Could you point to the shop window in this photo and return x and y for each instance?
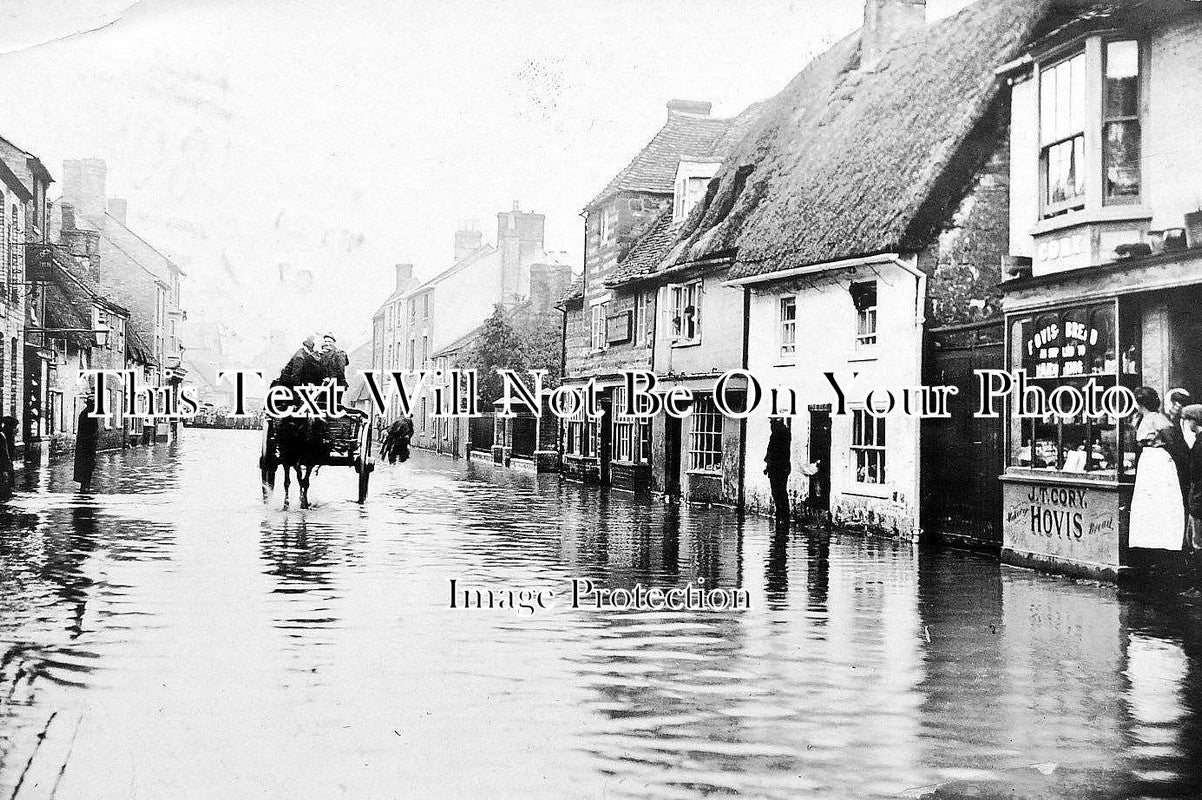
(1120, 123)
(864, 296)
(1071, 347)
(684, 311)
(788, 327)
(1062, 134)
(868, 447)
(705, 436)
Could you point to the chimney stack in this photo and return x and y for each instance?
(520, 240)
(699, 108)
(83, 186)
(548, 283)
(467, 240)
(118, 208)
(886, 21)
(404, 277)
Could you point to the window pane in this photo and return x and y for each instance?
(1065, 171)
(1101, 341)
(1064, 104)
(1077, 95)
(1121, 154)
(1047, 105)
(1122, 79)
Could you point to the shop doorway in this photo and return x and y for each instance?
(672, 440)
(819, 499)
(606, 436)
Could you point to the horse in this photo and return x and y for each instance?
(302, 446)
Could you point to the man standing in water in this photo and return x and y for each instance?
(87, 437)
(777, 466)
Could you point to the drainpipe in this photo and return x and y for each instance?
(743, 421)
(909, 263)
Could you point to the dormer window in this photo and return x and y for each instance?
(692, 180)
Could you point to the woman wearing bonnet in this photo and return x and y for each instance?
(1157, 507)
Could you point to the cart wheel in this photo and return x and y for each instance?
(364, 471)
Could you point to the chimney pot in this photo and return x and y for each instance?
(700, 108)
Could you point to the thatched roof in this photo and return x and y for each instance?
(683, 137)
(843, 161)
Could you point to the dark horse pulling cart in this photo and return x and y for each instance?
(303, 444)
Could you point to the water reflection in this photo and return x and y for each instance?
(313, 653)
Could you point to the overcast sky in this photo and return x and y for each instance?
(336, 138)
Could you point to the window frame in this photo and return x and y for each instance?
(598, 327)
(868, 319)
(706, 429)
(1122, 119)
(786, 329)
(864, 452)
(630, 443)
(677, 294)
(1047, 207)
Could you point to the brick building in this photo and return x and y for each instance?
(23, 229)
(608, 329)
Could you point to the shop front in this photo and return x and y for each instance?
(1069, 477)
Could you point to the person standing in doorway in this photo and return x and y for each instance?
(1157, 507)
(1180, 440)
(1191, 417)
(87, 437)
(778, 463)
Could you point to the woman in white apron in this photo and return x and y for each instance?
(1157, 510)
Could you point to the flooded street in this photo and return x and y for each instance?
(176, 637)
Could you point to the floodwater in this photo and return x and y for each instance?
(173, 636)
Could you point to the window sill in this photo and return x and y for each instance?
(785, 364)
(877, 491)
(704, 473)
(623, 463)
(686, 343)
(867, 355)
(1087, 216)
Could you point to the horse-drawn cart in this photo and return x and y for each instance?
(304, 444)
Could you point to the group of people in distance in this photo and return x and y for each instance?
(1166, 508)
